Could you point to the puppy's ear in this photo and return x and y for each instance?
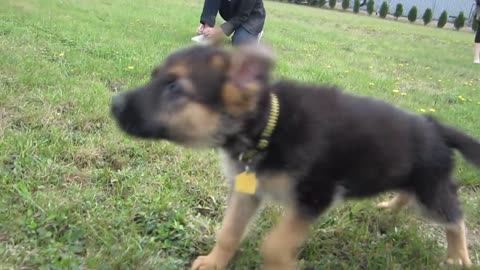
(251, 63)
(248, 73)
(217, 40)
(240, 100)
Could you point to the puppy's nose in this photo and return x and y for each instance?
(118, 104)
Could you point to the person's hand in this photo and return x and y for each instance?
(212, 31)
(200, 29)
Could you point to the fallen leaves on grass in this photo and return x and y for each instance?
(396, 91)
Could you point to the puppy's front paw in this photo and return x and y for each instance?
(277, 267)
(459, 260)
(384, 205)
(208, 263)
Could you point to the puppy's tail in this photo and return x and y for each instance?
(467, 145)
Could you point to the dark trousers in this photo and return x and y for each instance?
(477, 35)
(241, 35)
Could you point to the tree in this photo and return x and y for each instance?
(356, 6)
(459, 21)
(427, 16)
(370, 5)
(398, 11)
(345, 4)
(443, 19)
(332, 3)
(412, 14)
(322, 3)
(384, 10)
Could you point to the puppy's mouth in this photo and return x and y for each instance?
(130, 120)
(144, 131)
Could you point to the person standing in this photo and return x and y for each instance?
(244, 19)
(476, 57)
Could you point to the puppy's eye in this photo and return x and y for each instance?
(173, 89)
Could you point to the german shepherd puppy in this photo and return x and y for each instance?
(307, 146)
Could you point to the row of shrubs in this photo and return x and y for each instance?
(384, 9)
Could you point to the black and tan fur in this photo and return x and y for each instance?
(326, 145)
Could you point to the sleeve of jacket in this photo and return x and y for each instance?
(209, 12)
(245, 9)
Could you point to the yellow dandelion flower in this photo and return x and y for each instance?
(61, 54)
(422, 110)
(396, 91)
(432, 110)
(371, 84)
(130, 67)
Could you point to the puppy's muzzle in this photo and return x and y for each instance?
(118, 105)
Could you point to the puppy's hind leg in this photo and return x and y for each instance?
(442, 205)
(457, 244)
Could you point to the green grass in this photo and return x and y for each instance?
(76, 193)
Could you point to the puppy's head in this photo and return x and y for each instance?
(198, 96)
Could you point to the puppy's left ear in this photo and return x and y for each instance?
(217, 40)
(252, 62)
(248, 74)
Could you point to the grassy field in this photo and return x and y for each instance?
(75, 193)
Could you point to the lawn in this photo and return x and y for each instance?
(76, 193)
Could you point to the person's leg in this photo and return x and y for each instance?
(476, 57)
(241, 35)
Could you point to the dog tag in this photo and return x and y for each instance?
(246, 182)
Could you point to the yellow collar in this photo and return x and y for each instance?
(267, 131)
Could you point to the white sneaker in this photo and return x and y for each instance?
(260, 36)
(199, 39)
